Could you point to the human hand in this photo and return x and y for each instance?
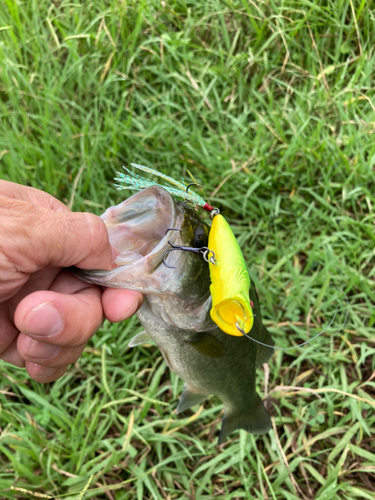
(46, 314)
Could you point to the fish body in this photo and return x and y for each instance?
(176, 310)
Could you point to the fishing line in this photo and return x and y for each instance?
(307, 341)
(215, 212)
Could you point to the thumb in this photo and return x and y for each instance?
(33, 237)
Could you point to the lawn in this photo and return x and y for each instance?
(271, 106)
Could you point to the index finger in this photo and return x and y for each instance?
(42, 237)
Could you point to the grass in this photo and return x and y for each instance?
(271, 106)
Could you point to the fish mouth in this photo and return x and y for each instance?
(137, 227)
(177, 295)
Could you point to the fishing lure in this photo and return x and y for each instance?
(230, 281)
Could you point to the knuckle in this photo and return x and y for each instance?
(19, 224)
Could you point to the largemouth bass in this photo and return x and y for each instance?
(176, 310)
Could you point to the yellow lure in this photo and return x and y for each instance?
(230, 281)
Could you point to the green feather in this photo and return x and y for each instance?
(134, 181)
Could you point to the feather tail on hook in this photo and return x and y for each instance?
(134, 181)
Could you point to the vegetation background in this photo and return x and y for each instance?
(271, 106)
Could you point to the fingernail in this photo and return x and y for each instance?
(44, 319)
(44, 371)
(42, 350)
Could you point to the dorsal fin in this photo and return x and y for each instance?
(259, 331)
(264, 353)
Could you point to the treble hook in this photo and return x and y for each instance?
(203, 250)
(172, 229)
(192, 184)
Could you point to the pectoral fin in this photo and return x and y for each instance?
(140, 338)
(206, 344)
(189, 398)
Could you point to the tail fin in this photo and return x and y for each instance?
(256, 420)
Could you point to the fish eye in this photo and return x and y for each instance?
(200, 239)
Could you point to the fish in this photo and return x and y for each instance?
(177, 302)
